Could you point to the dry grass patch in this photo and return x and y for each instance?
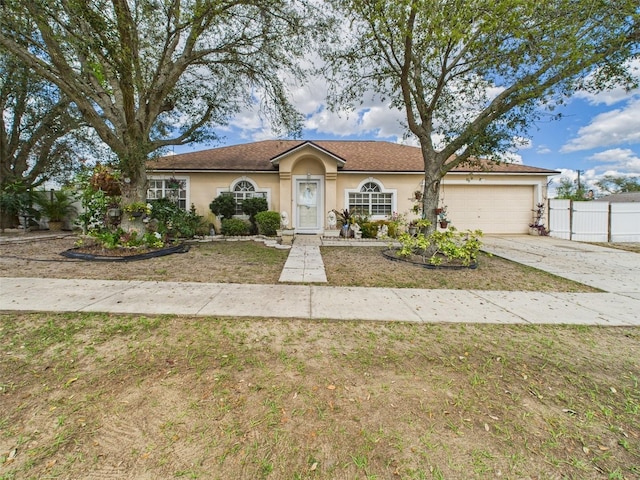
(253, 262)
(367, 267)
(108, 396)
(214, 262)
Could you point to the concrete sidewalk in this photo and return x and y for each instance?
(614, 271)
(316, 302)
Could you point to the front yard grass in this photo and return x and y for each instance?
(117, 396)
(253, 262)
(367, 267)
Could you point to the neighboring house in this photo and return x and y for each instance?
(626, 197)
(307, 179)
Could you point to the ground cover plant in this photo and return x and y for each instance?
(115, 396)
(253, 262)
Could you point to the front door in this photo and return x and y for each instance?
(308, 205)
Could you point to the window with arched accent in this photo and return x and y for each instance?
(371, 200)
(242, 190)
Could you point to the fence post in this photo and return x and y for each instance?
(570, 219)
(609, 223)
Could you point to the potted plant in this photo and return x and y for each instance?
(173, 183)
(442, 217)
(345, 217)
(137, 210)
(106, 179)
(57, 206)
(413, 227)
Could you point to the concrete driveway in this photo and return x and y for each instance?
(608, 269)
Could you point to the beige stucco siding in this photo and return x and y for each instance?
(401, 185)
(204, 187)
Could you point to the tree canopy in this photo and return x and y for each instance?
(569, 189)
(619, 184)
(148, 74)
(41, 134)
(473, 76)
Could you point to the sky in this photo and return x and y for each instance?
(598, 134)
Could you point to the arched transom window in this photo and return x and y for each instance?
(242, 190)
(371, 200)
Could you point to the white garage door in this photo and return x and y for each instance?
(492, 209)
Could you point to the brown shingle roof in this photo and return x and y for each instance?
(359, 156)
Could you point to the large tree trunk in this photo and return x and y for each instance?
(430, 198)
(134, 189)
(431, 192)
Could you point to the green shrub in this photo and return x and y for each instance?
(253, 206)
(446, 246)
(15, 198)
(56, 205)
(175, 221)
(268, 222)
(223, 205)
(370, 229)
(461, 246)
(234, 227)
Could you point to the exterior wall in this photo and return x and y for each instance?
(494, 203)
(204, 187)
(401, 185)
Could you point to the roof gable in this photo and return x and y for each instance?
(276, 160)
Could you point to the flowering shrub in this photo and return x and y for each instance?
(119, 238)
(95, 203)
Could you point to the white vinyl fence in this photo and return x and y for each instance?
(594, 221)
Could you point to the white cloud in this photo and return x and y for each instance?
(543, 150)
(384, 121)
(617, 159)
(614, 95)
(607, 97)
(512, 157)
(616, 127)
(341, 124)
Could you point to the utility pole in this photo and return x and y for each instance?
(579, 172)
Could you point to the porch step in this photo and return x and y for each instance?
(303, 240)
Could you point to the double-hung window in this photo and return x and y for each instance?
(371, 200)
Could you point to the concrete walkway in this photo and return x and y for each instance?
(304, 263)
(616, 272)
